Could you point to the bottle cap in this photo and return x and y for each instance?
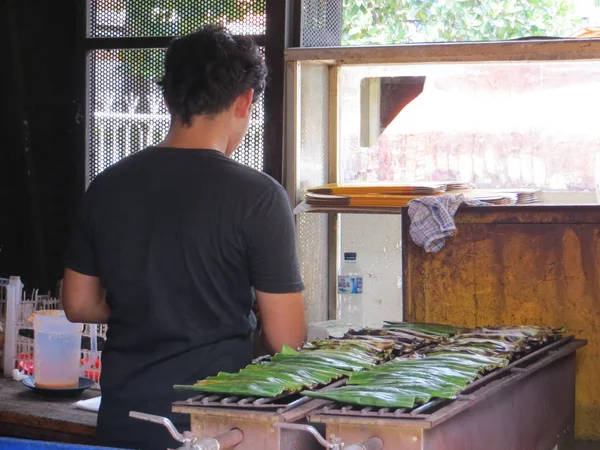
(350, 256)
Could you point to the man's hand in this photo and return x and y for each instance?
(83, 298)
(282, 318)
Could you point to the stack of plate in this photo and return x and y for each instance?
(327, 200)
(527, 196)
(457, 186)
(498, 199)
(417, 188)
(376, 196)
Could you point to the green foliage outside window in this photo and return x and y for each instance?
(174, 18)
(372, 22)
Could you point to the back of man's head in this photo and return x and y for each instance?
(206, 71)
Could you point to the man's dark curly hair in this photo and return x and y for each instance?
(207, 70)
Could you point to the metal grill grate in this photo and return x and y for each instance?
(152, 18)
(282, 402)
(127, 112)
(471, 394)
(321, 23)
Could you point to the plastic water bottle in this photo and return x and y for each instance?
(350, 287)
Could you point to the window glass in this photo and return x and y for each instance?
(497, 125)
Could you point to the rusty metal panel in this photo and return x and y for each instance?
(258, 433)
(539, 267)
(535, 414)
(394, 438)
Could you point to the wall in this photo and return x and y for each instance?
(377, 241)
(519, 265)
(39, 199)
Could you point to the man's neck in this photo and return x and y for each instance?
(204, 133)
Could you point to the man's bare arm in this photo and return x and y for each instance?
(83, 298)
(282, 318)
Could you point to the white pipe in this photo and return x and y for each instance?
(14, 292)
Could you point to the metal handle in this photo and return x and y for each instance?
(226, 440)
(370, 444)
(223, 441)
(162, 421)
(336, 443)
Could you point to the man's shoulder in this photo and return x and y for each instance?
(249, 176)
(115, 174)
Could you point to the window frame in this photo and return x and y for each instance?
(273, 42)
(523, 50)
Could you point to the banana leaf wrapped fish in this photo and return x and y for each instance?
(425, 330)
(288, 372)
(381, 348)
(382, 396)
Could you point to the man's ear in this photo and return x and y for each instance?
(243, 104)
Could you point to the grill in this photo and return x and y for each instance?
(528, 405)
(281, 403)
(214, 415)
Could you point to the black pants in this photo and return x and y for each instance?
(116, 429)
(151, 392)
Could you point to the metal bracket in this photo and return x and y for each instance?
(334, 444)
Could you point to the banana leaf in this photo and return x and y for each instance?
(325, 369)
(410, 376)
(458, 373)
(433, 389)
(349, 355)
(379, 348)
(366, 357)
(280, 380)
(399, 346)
(398, 336)
(458, 364)
(312, 374)
(302, 379)
(340, 362)
(431, 329)
(473, 349)
(369, 396)
(289, 371)
(500, 344)
(487, 362)
(242, 389)
(527, 330)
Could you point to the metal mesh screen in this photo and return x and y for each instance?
(151, 18)
(321, 23)
(313, 170)
(127, 112)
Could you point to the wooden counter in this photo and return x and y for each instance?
(24, 414)
(533, 265)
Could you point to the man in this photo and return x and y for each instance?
(171, 240)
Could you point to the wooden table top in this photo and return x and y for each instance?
(21, 408)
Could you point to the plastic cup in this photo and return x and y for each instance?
(56, 350)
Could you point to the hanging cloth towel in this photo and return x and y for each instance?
(432, 219)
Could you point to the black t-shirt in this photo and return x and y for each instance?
(178, 237)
